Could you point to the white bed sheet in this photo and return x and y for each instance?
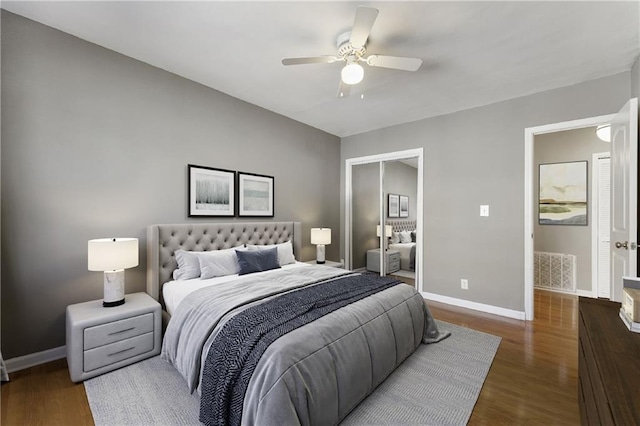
(174, 292)
(405, 253)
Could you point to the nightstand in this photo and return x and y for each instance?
(392, 261)
(326, 263)
(101, 339)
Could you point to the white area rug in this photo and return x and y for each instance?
(437, 385)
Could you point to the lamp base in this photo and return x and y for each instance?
(320, 253)
(112, 304)
(113, 288)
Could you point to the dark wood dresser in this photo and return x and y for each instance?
(609, 366)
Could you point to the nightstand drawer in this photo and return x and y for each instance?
(108, 354)
(394, 266)
(394, 257)
(118, 330)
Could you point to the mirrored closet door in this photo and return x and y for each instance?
(383, 226)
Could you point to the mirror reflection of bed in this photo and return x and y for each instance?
(403, 240)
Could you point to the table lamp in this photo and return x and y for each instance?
(320, 237)
(113, 256)
(388, 230)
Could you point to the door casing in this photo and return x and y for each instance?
(380, 158)
(530, 196)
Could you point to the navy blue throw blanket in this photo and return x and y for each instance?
(237, 348)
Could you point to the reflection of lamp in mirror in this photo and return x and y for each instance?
(388, 229)
(320, 237)
(113, 256)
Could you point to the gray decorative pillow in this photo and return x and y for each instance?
(285, 251)
(257, 260)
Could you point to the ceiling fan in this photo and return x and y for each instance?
(352, 47)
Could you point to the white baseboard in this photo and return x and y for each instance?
(578, 292)
(496, 310)
(31, 360)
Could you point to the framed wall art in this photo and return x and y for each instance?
(393, 205)
(211, 191)
(404, 206)
(563, 194)
(255, 195)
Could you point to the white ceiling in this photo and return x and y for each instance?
(474, 53)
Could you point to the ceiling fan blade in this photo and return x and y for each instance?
(310, 60)
(394, 62)
(343, 90)
(362, 24)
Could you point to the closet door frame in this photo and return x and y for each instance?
(381, 159)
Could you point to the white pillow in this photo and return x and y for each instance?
(218, 263)
(285, 252)
(188, 265)
(395, 237)
(405, 236)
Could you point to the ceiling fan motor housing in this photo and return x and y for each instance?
(346, 50)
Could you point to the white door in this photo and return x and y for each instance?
(624, 187)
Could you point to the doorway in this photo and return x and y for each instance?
(566, 224)
(624, 163)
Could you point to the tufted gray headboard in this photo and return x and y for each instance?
(402, 225)
(164, 240)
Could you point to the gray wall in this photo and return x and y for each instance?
(476, 157)
(402, 179)
(572, 145)
(365, 207)
(95, 144)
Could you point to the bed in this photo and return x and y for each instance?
(231, 344)
(407, 249)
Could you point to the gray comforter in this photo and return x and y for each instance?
(317, 373)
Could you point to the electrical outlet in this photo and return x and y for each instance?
(464, 284)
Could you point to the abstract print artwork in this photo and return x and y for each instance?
(255, 195)
(563, 194)
(211, 191)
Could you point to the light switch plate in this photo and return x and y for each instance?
(484, 210)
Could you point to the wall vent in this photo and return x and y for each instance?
(554, 271)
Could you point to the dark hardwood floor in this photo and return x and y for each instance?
(533, 379)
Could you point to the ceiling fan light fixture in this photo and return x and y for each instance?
(352, 73)
(603, 132)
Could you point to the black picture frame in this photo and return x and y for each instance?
(211, 191)
(255, 195)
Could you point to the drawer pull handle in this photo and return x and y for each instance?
(121, 331)
(124, 350)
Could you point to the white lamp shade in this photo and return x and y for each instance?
(388, 230)
(110, 254)
(604, 132)
(320, 235)
(352, 73)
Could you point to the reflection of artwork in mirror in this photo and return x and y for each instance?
(404, 206)
(563, 194)
(393, 207)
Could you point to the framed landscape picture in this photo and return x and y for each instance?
(404, 206)
(393, 206)
(563, 194)
(255, 195)
(211, 191)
